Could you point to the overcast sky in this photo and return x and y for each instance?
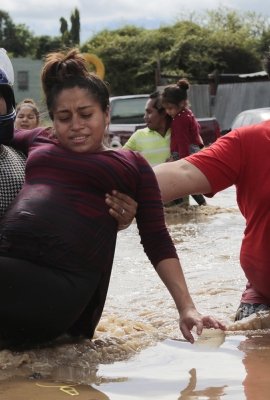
(42, 16)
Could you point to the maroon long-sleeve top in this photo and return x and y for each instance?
(60, 218)
(185, 131)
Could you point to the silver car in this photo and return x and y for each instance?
(251, 117)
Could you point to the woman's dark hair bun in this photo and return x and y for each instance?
(183, 84)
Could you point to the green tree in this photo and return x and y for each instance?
(63, 26)
(6, 27)
(228, 20)
(46, 44)
(222, 40)
(17, 39)
(65, 34)
(71, 37)
(191, 52)
(130, 57)
(236, 39)
(264, 41)
(75, 27)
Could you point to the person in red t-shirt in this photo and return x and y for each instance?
(240, 158)
(185, 129)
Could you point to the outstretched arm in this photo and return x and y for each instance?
(171, 274)
(180, 178)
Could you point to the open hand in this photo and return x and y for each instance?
(194, 319)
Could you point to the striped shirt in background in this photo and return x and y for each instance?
(152, 146)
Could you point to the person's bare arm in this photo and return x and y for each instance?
(171, 274)
(122, 207)
(180, 178)
(176, 179)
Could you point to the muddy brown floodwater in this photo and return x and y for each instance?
(138, 351)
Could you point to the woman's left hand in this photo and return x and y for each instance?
(192, 318)
(122, 207)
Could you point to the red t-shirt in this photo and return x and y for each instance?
(185, 130)
(242, 158)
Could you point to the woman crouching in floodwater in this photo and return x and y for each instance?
(57, 239)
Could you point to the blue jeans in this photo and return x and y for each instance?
(246, 309)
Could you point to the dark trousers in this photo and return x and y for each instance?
(37, 304)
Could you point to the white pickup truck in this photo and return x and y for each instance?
(127, 114)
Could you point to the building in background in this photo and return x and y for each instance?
(27, 79)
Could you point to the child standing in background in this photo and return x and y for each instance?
(185, 129)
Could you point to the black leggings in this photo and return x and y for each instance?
(38, 304)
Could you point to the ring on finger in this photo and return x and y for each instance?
(123, 211)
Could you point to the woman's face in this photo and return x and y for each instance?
(79, 121)
(26, 118)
